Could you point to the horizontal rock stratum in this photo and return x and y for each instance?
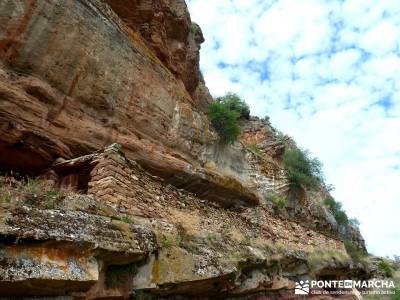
(75, 78)
(125, 232)
(168, 210)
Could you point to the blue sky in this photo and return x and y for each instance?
(327, 72)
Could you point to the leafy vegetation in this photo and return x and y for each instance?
(278, 200)
(31, 191)
(386, 268)
(225, 113)
(396, 295)
(302, 169)
(224, 121)
(126, 219)
(195, 28)
(267, 119)
(235, 103)
(341, 217)
(355, 253)
(168, 241)
(337, 211)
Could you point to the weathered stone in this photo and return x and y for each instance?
(96, 103)
(76, 76)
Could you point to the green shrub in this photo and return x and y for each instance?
(301, 168)
(32, 192)
(337, 211)
(355, 253)
(235, 103)
(40, 192)
(332, 204)
(195, 28)
(396, 295)
(341, 217)
(126, 219)
(386, 268)
(278, 200)
(225, 121)
(225, 113)
(168, 241)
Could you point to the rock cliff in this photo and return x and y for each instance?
(167, 211)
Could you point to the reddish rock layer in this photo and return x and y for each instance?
(169, 32)
(74, 79)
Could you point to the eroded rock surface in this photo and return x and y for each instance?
(167, 28)
(169, 211)
(150, 238)
(65, 93)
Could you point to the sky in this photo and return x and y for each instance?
(327, 72)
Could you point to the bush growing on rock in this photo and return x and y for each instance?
(224, 115)
(31, 191)
(224, 121)
(278, 200)
(341, 217)
(355, 253)
(337, 211)
(235, 103)
(195, 28)
(386, 268)
(302, 169)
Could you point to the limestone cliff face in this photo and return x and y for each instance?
(171, 211)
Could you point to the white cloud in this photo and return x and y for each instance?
(327, 73)
(381, 39)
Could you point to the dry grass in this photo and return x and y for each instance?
(31, 191)
(324, 257)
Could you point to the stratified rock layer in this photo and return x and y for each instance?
(153, 239)
(170, 212)
(75, 78)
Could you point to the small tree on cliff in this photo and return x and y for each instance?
(224, 115)
(235, 103)
(225, 121)
(337, 211)
(302, 169)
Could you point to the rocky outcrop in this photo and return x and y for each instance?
(169, 211)
(95, 93)
(150, 238)
(169, 32)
